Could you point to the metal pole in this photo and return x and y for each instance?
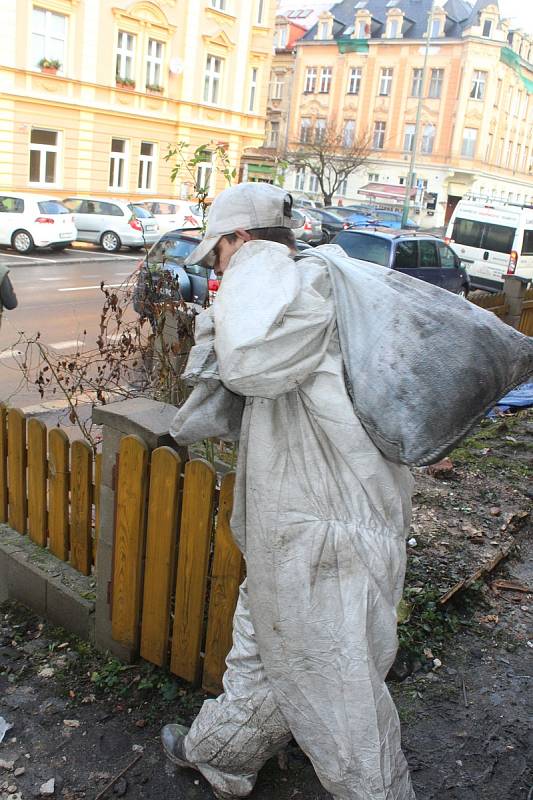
(410, 177)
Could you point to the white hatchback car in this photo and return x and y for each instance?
(172, 214)
(113, 223)
(32, 220)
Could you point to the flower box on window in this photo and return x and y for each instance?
(154, 88)
(125, 83)
(49, 66)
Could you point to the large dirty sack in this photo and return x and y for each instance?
(423, 365)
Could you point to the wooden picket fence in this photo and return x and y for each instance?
(49, 488)
(176, 569)
(498, 305)
(526, 319)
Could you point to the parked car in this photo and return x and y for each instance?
(393, 219)
(425, 257)
(32, 220)
(494, 238)
(304, 202)
(162, 275)
(331, 223)
(172, 214)
(359, 219)
(113, 223)
(309, 227)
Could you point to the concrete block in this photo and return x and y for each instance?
(107, 518)
(26, 583)
(110, 448)
(141, 416)
(67, 608)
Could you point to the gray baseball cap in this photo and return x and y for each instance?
(244, 206)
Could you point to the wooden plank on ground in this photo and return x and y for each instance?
(37, 475)
(58, 490)
(129, 540)
(225, 580)
(194, 541)
(16, 469)
(160, 560)
(3, 463)
(96, 501)
(81, 466)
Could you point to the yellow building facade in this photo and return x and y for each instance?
(476, 123)
(93, 92)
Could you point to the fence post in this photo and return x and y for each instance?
(149, 420)
(514, 289)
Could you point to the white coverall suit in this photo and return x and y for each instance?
(321, 518)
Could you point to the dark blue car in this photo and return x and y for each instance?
(425, 257)
(393, 219)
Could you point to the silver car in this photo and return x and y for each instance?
(112, 223)
(309, 228)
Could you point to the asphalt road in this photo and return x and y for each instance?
(59, 296)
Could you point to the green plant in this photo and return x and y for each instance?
(124, 81)
(49, 63)
(154, 87)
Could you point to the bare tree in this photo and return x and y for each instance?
(331, 153)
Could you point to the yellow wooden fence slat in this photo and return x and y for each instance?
(96, 501)
(195, 535)
(58, 490)
(37, 475)
(160, 557)
(3, 463)
(129, 540)
(225, 580)
(16, 469)
(81, 466)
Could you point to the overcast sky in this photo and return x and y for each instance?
(520, 11)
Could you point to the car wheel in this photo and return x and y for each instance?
(59, 246)
(22, 242)
(110, 242)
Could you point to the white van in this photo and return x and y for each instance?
(493, 239)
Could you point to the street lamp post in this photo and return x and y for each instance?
(411, 175)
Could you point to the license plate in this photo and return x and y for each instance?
(150, 227)
(64, 236)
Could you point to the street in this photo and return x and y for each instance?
(59, 296)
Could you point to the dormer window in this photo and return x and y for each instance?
(325, 27)
(487, 29)
(394, 27)
(362, 27)
(394, 24)
(435, 28)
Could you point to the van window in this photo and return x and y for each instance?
(406, 255)
(140, 212)
(427, 253)
(499, 238)
(72, 204)
(365, 246)
(467, 232)
(52, 207)
(527, 246)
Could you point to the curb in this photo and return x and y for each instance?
(50, 587)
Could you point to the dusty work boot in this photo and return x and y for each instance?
(172, 738)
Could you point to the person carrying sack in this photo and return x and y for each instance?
(320, 515)
(8, 298)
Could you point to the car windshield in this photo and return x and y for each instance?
(365, 246)
(140, 212)
(174, 250)
(52, 207)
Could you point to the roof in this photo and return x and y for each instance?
(387, 190)
(308, 10)
(460, 15)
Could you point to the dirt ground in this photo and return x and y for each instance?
(462, 682)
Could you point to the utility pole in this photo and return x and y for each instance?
(411, 175)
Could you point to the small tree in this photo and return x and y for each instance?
(332, 155)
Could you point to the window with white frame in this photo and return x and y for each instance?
(260, 11)
(468, 148)
(323, 29)
(220, 5)
(213, 79)
(276, 86)
(320, 129)
(325, 79)
(310, 80)
(118, 164)
(385, 82)
(416, 83)
(363, 30)
(394, 29)
(204, 173)
(283, 37)
(435, 83)
(428, 139)
(435, 28)
(342, 188)
(48, 36)
(299, 179)
(373, 177)
(479, 82)
(487, 28)
(378, 139)
(125, 55)
(305, 129)
(409, 138)
(313, 183)
(354, 80)
(146, 166)
(44, 153)
(348, 134)
(154, 63)
(253, 88)
(273, 134)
